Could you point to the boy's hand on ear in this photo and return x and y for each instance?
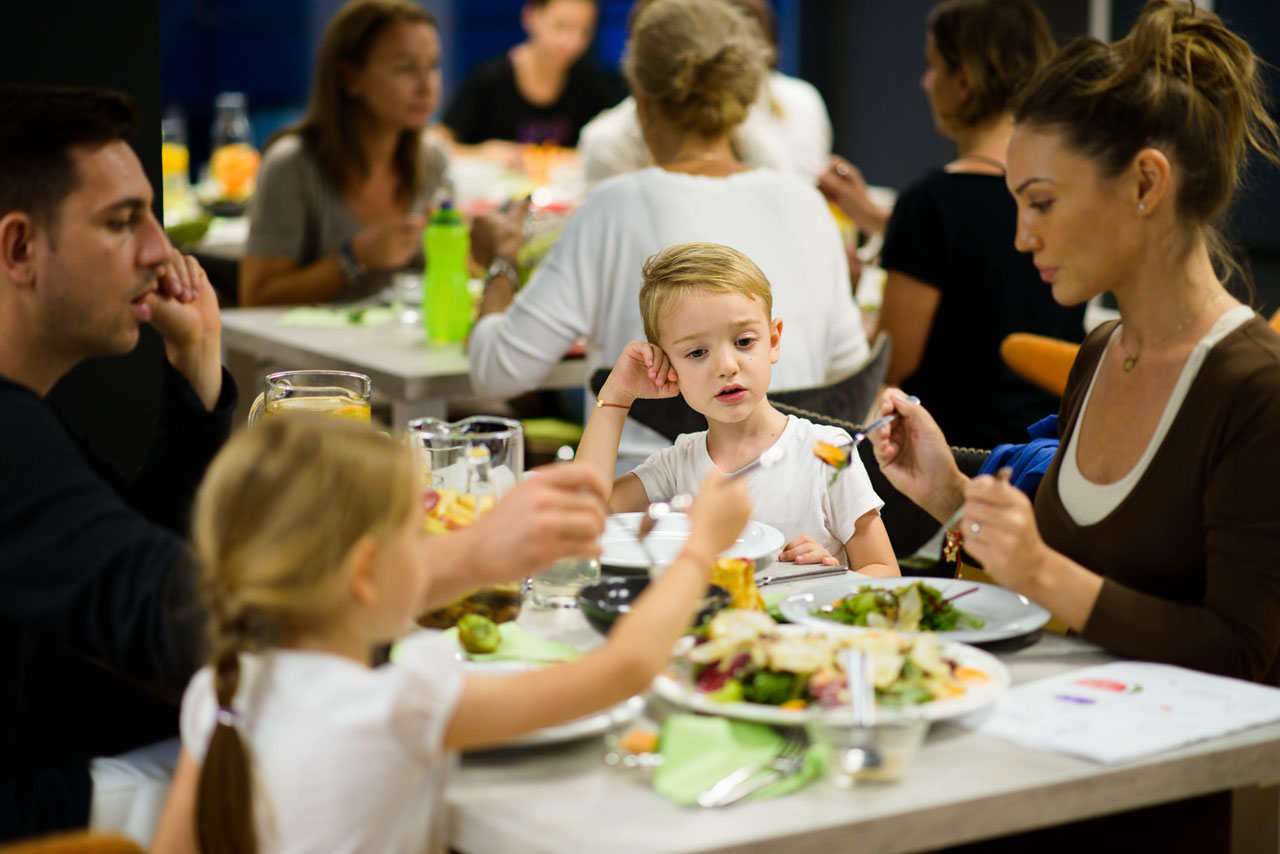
(642, 371)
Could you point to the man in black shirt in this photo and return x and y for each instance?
(95, 589)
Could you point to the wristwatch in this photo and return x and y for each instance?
(501, 265)
(350, 265)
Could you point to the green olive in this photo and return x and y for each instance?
(478, 633)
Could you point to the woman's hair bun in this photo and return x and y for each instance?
(703, 62)
(1179, 81)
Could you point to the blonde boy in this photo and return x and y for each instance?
(707, 313)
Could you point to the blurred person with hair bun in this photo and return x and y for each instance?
(696, 68)
(787, 126)
(1156, 528)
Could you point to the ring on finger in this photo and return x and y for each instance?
(974, 528)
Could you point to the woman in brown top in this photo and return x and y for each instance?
(1156, 531)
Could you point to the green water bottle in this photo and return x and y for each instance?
(446, 301)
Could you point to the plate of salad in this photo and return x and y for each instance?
(965, 611)
(744, 665)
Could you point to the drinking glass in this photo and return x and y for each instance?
(481, 455)
(878, 753)
(340, 394)
(558, 585)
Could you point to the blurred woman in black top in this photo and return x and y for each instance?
(956, 285)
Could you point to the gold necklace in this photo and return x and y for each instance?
(1130, 361)
(982, 158)
(706, 155)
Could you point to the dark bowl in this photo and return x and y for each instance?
(612, 596)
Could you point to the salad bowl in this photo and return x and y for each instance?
(1002, 613)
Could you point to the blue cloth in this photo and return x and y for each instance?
(1030, 461)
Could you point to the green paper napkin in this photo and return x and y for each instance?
(519, 645)
(314, 315)
(699, 751)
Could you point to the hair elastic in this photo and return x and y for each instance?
(228, 717)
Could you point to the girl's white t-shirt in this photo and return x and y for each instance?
(795, 495)
(345, 758)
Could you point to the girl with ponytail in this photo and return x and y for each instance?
(1156, 529)
(309, 536)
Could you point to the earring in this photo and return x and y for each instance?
(1142, 207)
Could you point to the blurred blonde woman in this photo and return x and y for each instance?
(1156, 528)
(342, 195)
(309, 535)
(696, 68)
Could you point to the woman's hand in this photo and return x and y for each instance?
(499, 232)
(390, 243)
(719, 513)
(642, 371)
(804, 550)
(999, 528)
(844, 186)
(914, 454)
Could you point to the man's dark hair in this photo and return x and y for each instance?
(38, 127)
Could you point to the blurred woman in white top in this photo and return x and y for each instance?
(695, 67)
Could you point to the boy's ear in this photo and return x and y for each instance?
(775, 340)
(361, 571)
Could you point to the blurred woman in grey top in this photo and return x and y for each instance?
(343, 194)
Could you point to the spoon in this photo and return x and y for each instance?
(679, 503)
(862, 704)
(858, 437)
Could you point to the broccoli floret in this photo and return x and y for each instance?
(772, 688)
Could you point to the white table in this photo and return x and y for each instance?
(963, 787)
(416, 378)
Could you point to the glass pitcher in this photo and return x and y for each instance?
(341, 394)
(466, 466)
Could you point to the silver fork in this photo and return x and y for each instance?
(749, 779)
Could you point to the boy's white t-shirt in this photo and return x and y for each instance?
(344, 758)
(793, 495)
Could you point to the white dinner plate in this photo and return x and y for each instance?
(679, 690)
(1005, 614)
(587, 726)
(757, 541)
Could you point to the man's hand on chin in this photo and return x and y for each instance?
(184, 310)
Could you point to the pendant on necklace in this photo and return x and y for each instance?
(1128, 363)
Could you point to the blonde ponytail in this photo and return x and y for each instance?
(278, 512)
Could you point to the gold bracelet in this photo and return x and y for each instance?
(600, 403)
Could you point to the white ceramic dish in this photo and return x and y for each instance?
(976, 696)
(586, 726)
(757, 541)
(1005, 614)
